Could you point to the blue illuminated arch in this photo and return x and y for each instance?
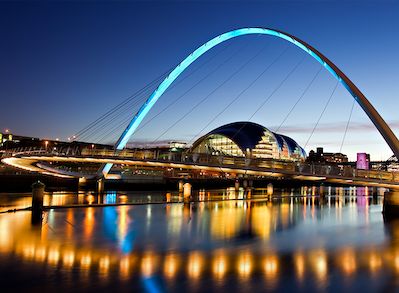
(382, 127)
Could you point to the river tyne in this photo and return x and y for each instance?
(222, 241)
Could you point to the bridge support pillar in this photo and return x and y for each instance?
(391, 204)
(37, 195)
(322, 187)
(37, 202)
(187, 191)
(181, 183)
(82, 183)
(100, 185)
(270, 189)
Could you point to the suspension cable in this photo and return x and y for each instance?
(325, 107)
(106, 123)
(192, 109)
(277, 86)
(117, 107)
(194, 85)
(198, 83)
(242, 92)
(141, 92)
(347, 126)
(281, 83)
(289, 113)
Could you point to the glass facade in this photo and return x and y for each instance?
(216, 144)
(267, 147)
(244, 139)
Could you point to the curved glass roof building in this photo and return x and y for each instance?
(247, 139)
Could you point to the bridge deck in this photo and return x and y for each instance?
(216, 164)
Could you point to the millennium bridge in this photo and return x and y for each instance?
(194, 165)
(198, 164)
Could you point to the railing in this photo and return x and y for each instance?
(222, 161)
(20, 151)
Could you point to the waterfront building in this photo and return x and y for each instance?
(363, 161)
(322, 157)
(4, 137)
(177, 146)
(251, 140)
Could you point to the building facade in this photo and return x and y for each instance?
(247, 139)
(322, 157)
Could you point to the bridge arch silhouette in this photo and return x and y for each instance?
(374, 116)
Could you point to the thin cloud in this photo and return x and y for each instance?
(336, 127)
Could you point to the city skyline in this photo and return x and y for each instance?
(66, 64)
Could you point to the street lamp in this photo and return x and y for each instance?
(46, 143)
(4, 140)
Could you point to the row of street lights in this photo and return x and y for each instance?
(46, 142)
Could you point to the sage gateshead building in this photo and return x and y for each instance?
(251, 140)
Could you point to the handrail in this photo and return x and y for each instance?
(221, 161)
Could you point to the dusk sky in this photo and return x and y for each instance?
(65, 63)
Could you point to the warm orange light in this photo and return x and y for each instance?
(375, 262)
(104, 264)
(194, 265)
(170, 265)
(28, 250)
(53, 256)
(123, 198)
(271, 270)
(244, 264)
(300, 265)
(69, 258)
(89, 221)
(41, 253)
(220, 266)
(147, 265)
(6, 130)
(123, 221)
(271, 265)
(85, 261)
(90, 199)
(124, 267)
(319, 264)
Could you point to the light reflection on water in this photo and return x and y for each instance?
(296, 243)
(53, 199)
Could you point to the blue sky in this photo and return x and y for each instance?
(66, 63)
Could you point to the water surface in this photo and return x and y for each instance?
(225, 241)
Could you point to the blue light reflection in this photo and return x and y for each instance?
(150, 285)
